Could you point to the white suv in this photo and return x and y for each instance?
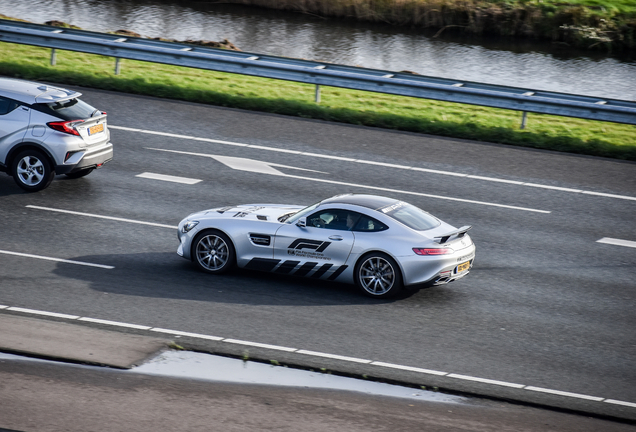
(46, 130)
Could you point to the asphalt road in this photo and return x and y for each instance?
(546, 304)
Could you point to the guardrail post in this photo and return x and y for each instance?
(524, 118)
(53, 57)
(117, 66)
(317, 94)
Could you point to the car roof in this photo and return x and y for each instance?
(374, 202)
(30, 92)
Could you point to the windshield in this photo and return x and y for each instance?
(411, 216)
(304, 212)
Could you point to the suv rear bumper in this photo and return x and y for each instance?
(94, 157)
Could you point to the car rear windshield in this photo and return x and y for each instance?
(72, 109)
(410, 216)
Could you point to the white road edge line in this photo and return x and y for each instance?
(325, 355)
(168, 178)
(66, 261)
(260, 345)
(114, 323)
(562, 393)
(486, 381)
(617, 242)
(101, 216)
(273, 149)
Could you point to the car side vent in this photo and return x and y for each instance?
(261, 217)
(260, 239)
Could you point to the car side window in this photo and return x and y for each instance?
(368, 224)
(337, 219)
(7, 105)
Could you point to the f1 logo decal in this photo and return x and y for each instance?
(315, 245)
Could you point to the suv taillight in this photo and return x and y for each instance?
(66, 127)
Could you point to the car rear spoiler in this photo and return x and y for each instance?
(458, 232)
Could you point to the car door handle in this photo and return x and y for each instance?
(335, 237)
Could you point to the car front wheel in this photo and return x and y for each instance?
(32, 171)
(213, 252)
(378, 275)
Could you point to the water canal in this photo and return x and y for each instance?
(538, 66)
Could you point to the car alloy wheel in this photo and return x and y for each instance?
(32, 171)
(378, 275)
(213, 252)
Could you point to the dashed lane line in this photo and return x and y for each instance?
(66, 261)
(102, 216)
(363, 161)
(617, 242)
(324, 355)
(168, 178)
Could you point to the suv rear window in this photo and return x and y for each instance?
(72, 109)
(411, 216)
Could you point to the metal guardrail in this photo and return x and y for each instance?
(327, 74)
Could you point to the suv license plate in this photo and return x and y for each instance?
(96, 129)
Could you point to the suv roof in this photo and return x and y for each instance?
(29, 92)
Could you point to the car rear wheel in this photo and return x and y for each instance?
(32, 171)
(78, 174)
(213, 252)
(378, 275)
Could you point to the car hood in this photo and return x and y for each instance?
(269, 212)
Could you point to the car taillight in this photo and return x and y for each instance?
(66, 127)
(432, 251)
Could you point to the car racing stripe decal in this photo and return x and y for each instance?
(305, 268)
(262, 264)
(321, 271)
(337, 272)
(287, 266)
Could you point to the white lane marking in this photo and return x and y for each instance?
(101, 216)
(39, 312)
(409, 368)
(333, 356)
(181, 333)
(260, 345)
(114, 323)
(486, 381)
(617, 242)
(168, 178)
(432, 171)
(266, 168)
(562, 393)
(617, 402)
(57, 259)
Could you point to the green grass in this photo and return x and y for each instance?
(339, 105)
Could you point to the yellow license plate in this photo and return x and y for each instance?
(463, 267)
(96, 129)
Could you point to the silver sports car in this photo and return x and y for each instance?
(380, 244)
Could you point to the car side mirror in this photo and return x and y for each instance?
(302, 222)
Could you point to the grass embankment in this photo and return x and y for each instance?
(340, 105)
(600, 24)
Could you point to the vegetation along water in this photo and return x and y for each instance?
(595, 24)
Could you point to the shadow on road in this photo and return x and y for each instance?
(165, 275)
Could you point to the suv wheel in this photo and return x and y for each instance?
(32, 170)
